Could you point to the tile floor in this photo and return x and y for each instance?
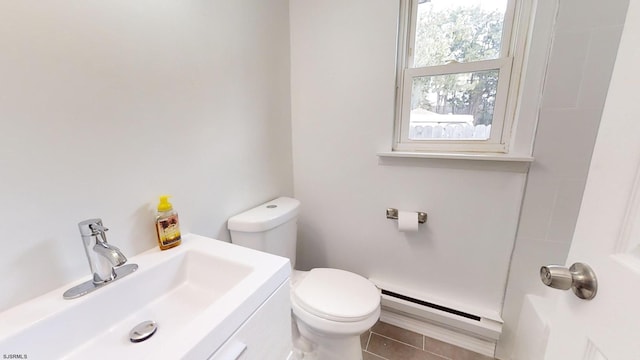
(387, 342)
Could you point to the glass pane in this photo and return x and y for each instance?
(458, 30)
(455, 106)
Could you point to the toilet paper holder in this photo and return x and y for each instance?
(393, 214)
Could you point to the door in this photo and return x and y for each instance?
(607, 235)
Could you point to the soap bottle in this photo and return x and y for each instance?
(167, 225)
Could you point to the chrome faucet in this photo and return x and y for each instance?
(105, 260)
(102, 256)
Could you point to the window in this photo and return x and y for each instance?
(458, 73)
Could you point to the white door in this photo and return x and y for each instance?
(607, 235)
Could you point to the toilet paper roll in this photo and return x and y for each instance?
(407, 221)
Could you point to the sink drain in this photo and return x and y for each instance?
(143, 331)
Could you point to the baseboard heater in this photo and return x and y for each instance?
(485, 326)
(431, 305)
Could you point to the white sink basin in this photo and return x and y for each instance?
(199, 293)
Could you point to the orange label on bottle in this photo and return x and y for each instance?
(168, 230)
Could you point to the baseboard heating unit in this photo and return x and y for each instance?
(456, 324)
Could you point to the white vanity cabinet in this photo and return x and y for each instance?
(265, 335)
(208, 297)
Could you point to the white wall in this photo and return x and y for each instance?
(582, 57)
(105, 105)
(343, 55)
(343, 75)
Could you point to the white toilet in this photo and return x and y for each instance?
(331, 307)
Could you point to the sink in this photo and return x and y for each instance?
(198, 293)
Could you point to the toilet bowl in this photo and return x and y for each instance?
(331, 308)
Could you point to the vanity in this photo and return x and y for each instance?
(209, 300)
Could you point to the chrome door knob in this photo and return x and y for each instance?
(556, 276)
(579, 277)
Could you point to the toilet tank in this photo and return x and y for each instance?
(270, 227)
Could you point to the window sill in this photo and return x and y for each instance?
(458, 156)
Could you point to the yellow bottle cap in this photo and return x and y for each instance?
(164, 204)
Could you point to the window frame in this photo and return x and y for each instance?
(509, 65)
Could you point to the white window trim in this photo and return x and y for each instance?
(510, 66)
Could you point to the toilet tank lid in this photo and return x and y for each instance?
(266, 216)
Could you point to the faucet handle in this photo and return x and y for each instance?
(91, 227)
(97, 228)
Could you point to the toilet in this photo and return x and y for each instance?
(331, 307)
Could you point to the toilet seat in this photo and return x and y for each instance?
(336, 295)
